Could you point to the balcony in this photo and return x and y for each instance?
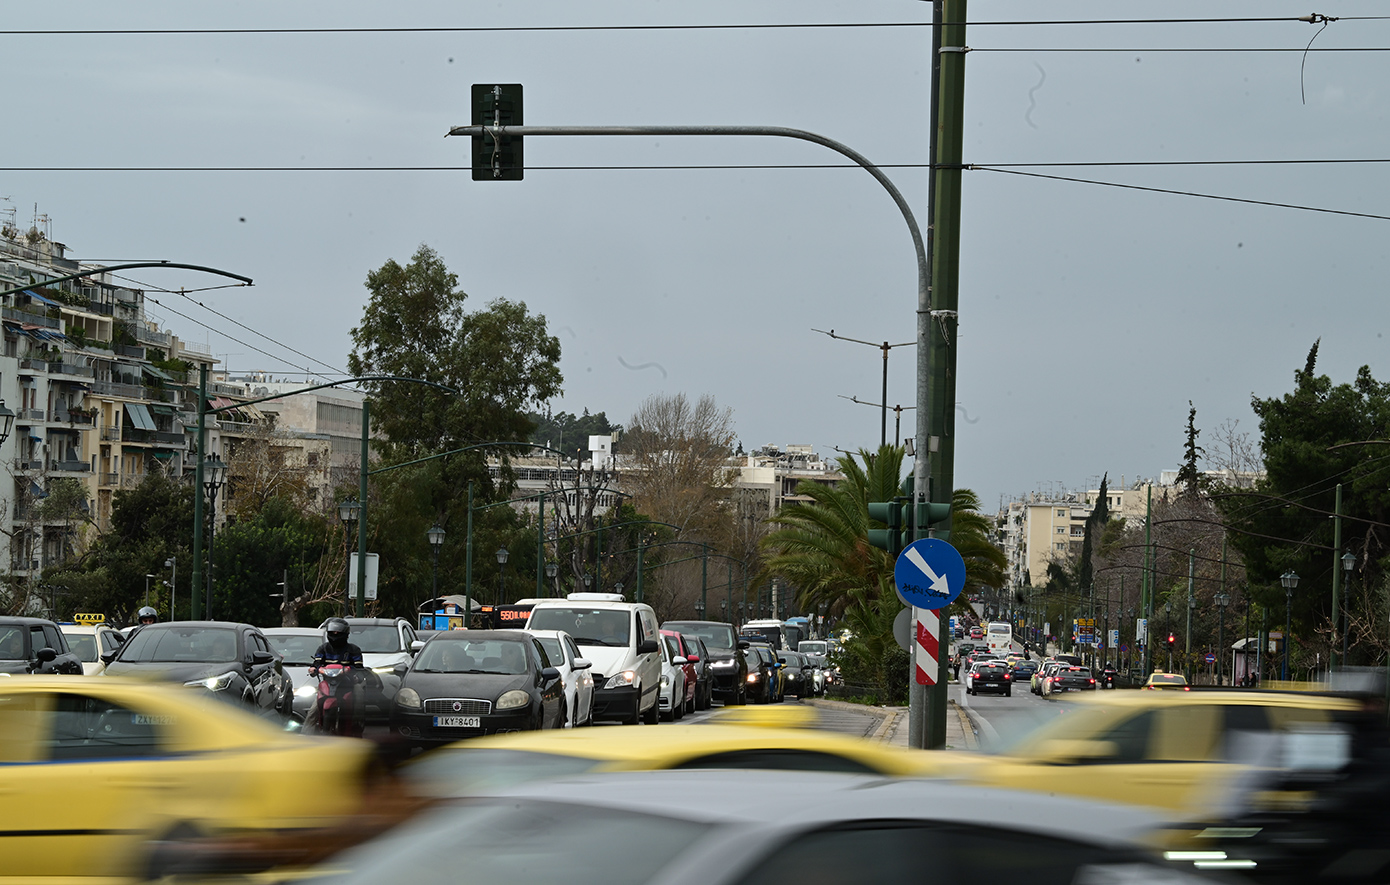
(109, 479)
(147, 336)
(66, 417)
(62, 368)
(22, 464)
(24, 316)
(32, 414)
(70, 467)
(110, 433)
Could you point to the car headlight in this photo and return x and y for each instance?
(513, 699)
(620, 680)
(306, 691)
(752, 677)
(409, 698)
(382, 671)
(722, 665)
(665, 680)
(215, 683)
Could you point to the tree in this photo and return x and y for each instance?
(1189, 476)
(267, 465)
(676, 460)
(568, 432)
(502, 362)
(275, 564)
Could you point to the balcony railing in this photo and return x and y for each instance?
(33, 414)
(24, 316)
(110, 432)
(22, 464)
(61, 368)
(73, 417)
(70, 467)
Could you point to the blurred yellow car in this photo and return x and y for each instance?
(1168, 750)
(766, 738)
(1167, 681)
(93, 767)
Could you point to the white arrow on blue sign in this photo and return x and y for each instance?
(929, 573)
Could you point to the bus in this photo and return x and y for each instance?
(1000, 636)
(768, 629)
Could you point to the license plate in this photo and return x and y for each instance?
(458, 722)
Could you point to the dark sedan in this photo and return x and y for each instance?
(989, 676)
(1069, 678)
(233, 662)
(727, 664)
(796, 674)
(35, 645)
(470, 682)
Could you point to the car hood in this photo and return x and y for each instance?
(389, 659)
(607, 660)
(299, 675)
(170, 672)
(484, 686)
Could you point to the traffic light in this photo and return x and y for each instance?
(1172, 641)
(934, 520)
(497, 104)
(890, 513)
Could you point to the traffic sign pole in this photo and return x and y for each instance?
(927, 645)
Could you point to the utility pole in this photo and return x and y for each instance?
(1191, 604)
(1336, 580)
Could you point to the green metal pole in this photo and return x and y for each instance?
(704, 584)
(641, 549)
(729, 589)
(1191, 603)
(540, 547)
(199, 454)
(468, 564)
(1147, 589)
(1336, 581)
(362, 515)
(598, 564)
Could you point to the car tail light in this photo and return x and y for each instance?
(1187, 688)
(1007, 677)
(1093, 682)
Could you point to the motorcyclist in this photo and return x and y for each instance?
(147, 615)
(337, 650)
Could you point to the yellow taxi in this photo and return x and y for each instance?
(93, 767)
(1158, 680)
(1177, 751)
(741, 737)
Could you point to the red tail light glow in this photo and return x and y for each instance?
(1007, 677)
(1093, 682)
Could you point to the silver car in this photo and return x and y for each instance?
(796, 827)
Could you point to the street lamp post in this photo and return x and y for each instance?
(1221, 600)
(1348, 563)
(147, 593)
(501, 555)
(588, 579)
(172, 565)
(348, 511)
(214, 474)
(436, 537)
(724, 610)
(1290, 581)
(551, 570)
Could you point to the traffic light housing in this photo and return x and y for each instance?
(497, 104)
(1172, 641)
(890, 538)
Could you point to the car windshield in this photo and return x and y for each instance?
(720, 636)
(1167, 679)
(813, 646)
(552, 649)
(11, 643)
(173, 643)
(376, 639)
(498, 656)
(298, 651)
(84, 645)
(588, 626)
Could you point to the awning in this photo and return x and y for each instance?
(219, 402)
(160, 410)
(155, 373)
(39, 298)
(139, 416)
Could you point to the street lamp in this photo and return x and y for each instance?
(147, 592)
(436, 536)
(501, 555)
(618, 588)
(551, 570)
(724, 610)
(214, 475)
(699, 610)
(1290, 581)
(348, 511)
(172, 565)
(6, 422)
(1348, 563)
(1221, 599)
(588, 579)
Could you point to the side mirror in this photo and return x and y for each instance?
(743, 643)
(46, 655)
(416, 646)
(109, 656)
(694, 659)
(261, 657)
(549, 674)
(582, 663)
(678, 660)
(647, 647)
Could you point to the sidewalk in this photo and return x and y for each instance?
(893, 726)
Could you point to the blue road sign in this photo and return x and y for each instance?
(929, 573)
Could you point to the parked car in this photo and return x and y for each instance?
(677, 690)
(992, 676)
(786, 826)
(574, 669)
(89, 642)
(698, 655)
(296, 647)
(35, 645)
(621, 638)
(727, 666)
(232, 662)
(98, 773)
(387, 647)
(470, 682)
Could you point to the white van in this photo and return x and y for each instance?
(620, 639)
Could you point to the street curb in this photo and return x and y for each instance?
(966, 726)
(887, 715)
(886, 727)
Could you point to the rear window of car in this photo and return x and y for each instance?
(1168, 679)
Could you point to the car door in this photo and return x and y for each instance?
(584, 681)
(262, 672)
(552, 691)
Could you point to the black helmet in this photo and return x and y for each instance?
(337, 630)
(147, 615)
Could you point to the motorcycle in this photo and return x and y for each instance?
(1106, 679)
(333, 708)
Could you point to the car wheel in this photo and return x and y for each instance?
(1008, 693)
(692, 705)
(653, 714)
(636, 717)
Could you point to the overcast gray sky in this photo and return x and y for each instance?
(1089, 316)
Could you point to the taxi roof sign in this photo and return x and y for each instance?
(89, 618)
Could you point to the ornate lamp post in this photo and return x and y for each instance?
(6, 422)
(551, 570)
(724, 610)
(348, 512)
(214, 475)
(618, 588)
(436, 536)
(1290, 581)
(501, 555)
(588, 579)
(1348, 563)
(1221, 599)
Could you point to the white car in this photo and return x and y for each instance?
(296, 645)
(576, 672)
(90, 642)
(672, 680)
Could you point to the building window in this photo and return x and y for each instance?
(1061, 530)
(1061, 512)
(1060, 546)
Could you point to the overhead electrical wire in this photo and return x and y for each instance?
(264, 353)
